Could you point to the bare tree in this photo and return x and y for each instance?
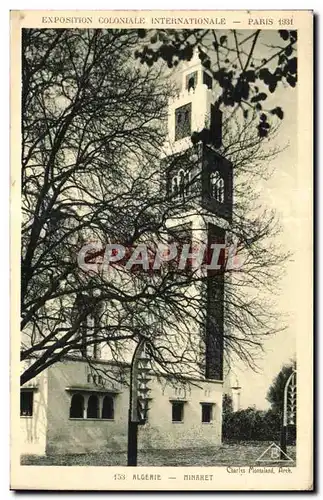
(93, 130)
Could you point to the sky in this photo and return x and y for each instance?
(282, 194)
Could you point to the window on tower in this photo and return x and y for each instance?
(183, 121)
(187, 183)
(207, 80)
(174, 186)
(191, 81)
(217, 179)
(181, 176)
(180, 184)
(217, 187)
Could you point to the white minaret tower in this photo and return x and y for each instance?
(199, 182)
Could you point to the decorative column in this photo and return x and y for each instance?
(86, 400)
(289, 411)
(100, 397)
(138, 398)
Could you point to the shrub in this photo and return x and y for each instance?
(254, 425)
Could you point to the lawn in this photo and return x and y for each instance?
(241, 454)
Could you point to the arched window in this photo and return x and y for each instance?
(181, 182)
(187, 183)
(93, 407)
(191, 83)
(175, 186)
(77, 406)
(215, 176)
(217, 187)
(108, 407)
(221, 190)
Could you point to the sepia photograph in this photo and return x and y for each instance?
(160, 245)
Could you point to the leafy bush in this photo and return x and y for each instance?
(254, 425)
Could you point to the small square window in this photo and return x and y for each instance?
(26, 403)
(177, 411)
(207, 413)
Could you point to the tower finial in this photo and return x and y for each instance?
(236, 384)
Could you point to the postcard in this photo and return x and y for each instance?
(161, 250)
